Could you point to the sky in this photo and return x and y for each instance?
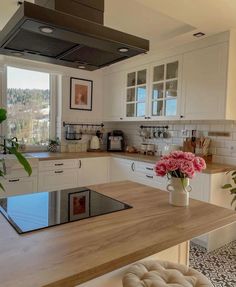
(26, 79)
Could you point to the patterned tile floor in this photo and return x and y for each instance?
(219, 265)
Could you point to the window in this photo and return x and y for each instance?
(29, 106)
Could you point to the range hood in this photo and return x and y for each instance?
(68, 33)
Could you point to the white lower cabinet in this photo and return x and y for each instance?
(19, 185)
(141, 172)
(57, 179)
(57, 174)
(70, 173)
(208, 188)
(145, 174)
(93, 171)
(122, 169)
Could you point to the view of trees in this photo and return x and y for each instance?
(28, 115)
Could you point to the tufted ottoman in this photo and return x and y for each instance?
(155, 273)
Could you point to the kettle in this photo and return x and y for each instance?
(94, 143)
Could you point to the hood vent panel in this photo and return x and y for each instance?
(93, 56)
(40, 44)
(73, 40)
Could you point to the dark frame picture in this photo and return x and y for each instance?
(78, 205)
(81, 94)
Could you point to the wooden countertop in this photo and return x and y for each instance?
(212, 168)
(69, 254)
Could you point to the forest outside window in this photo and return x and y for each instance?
(29, 106)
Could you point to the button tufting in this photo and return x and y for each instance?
(163, 273)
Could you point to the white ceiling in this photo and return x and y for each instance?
(159, 21)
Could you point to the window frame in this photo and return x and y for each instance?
(53, 79)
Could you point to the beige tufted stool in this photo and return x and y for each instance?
(163, 274)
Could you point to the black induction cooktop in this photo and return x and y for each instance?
(35, 211)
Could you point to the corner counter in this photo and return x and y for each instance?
(212, 168)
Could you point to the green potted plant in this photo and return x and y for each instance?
(231, 187)
(12, 149)
(53, 144)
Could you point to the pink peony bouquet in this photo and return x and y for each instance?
(180, 164)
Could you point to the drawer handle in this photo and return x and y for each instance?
(132, 166)
(80, 163)
(149, 176)
(14, 180)
(59, 164)
(59, 171)
(149, 168)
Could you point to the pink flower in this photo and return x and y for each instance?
(187, 168)
(189, 156)
(160, 168)
(199, 164)
(177, 154)
(172, 164)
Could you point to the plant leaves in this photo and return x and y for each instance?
(233, 190)
(234, 173)
(233, 200)
(3, 115)
(227, 185)
(2, 187)
(22, 160)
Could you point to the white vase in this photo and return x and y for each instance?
(179, 189)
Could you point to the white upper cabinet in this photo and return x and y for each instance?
(114, 89)
(136, 94)
(165, 98)
(204, 83)
(196, 84)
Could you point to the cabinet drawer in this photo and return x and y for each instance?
(58, 164)
(148, 168)
(57, 179)
(16, 185)
(20, 173)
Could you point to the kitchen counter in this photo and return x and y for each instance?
(69, 254)
(212, 168)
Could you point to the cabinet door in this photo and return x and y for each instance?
(165, 89)
(114, 96)
(136, 102)
(57, 179)
(93, 171)
(204, 83)
(17, 186)
(200, 187)
(122, 169)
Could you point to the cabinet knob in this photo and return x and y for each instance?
(121, 119)
(181, 116)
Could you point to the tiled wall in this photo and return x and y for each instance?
(223, 148)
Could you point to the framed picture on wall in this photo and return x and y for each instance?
(79, 205)
(81, 94)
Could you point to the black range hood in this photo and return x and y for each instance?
(68, 33)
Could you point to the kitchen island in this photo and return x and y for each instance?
(73, 253)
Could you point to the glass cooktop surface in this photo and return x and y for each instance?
(35, 211)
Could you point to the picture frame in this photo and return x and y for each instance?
(81, 94)
(78, 205)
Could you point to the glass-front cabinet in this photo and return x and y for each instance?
(164, 89)
(136, 94)
(152, 92)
